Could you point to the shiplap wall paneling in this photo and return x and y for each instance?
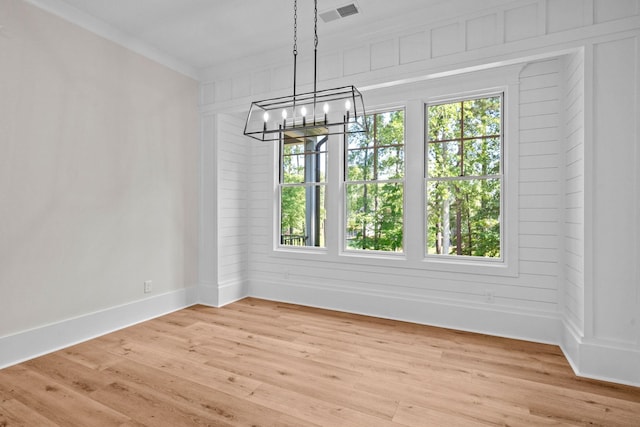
(233, 176)
(261, 194)
(540, 169)
(573, 104)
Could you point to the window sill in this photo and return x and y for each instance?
(373, 255)
(479, 267)
(469, 265)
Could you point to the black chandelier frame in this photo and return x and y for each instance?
(321, 112)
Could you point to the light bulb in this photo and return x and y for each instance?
(284, 113)
(347, 105)
(325, 108)
(266, 116)
(303, 111)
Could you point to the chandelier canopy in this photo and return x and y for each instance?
(321, 112)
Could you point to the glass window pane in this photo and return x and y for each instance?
(463, 217)
(380, 154)
(309, 166)
(292, 146)
(302, 215)
(444, 121)
(390, 128)
(376, 164)
(360, 165)
(482, 157)
(375, 217)
(293, 169)
(390, 163)
(361, 140)
(482, 117)
(443, 159)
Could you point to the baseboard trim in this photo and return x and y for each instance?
(601, 360)
(543, 327)
(208, 294)
(222, 294)
(232, 291)
(36, 342)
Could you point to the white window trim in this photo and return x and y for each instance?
(507, 265)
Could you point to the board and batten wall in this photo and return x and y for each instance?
(578, 280)
(98, 184)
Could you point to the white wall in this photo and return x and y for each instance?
(578, 282)
(612, 306)
(98, 177)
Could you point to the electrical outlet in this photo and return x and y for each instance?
(489, 296)
(147, 286)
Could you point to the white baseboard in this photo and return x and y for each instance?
(222, 294)
(601, 360)
(232, 291)
(208, 294)
(540, 327)
(26, 345)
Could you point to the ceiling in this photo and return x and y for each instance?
(204, 33)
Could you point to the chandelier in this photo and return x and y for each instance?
(321, 112)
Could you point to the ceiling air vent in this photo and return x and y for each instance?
(340, 12)
(347, 10)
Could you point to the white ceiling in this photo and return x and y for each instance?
(203, 33)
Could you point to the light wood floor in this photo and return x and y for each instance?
(259, 363)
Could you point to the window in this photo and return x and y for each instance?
(464, 177)
(302, 190)
(433, 186)
(374, 185)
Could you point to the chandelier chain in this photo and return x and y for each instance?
(315, 23)
(295, 27)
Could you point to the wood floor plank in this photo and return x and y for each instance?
(309, 379)
(55, 401)
(316, 410)
(263, 363)
(15, 413)
(200, 404)
(89, 354)
(173, 363)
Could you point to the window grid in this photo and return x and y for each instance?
(302, 191)
(474, 192)
(374, 186)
